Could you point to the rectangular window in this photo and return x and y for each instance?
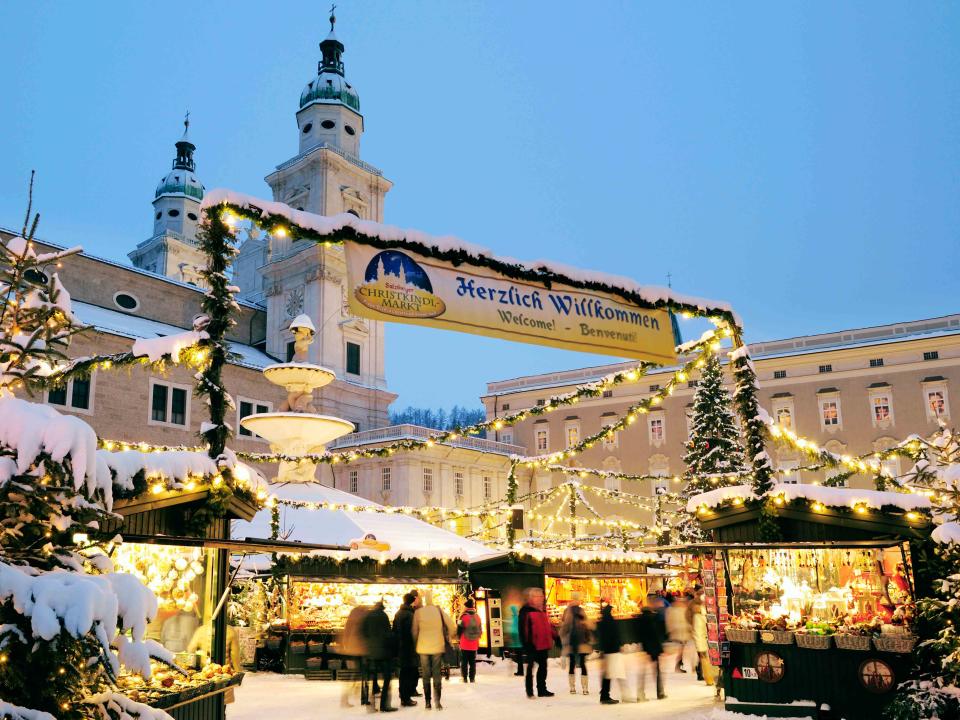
(784, 415)
(692, 383)
(506, 436)
(657, 434)
(610, 442)
(57, 396)
(458, 486)
(543, 440)
(541, 402)
(506, 406)
(876, 362)
(81, 394)
(487, 487)
(789, 473)
(249, 407)
(826, 368)
(654, 388)
(779, 374)
(169, 404)
(882, 409)
(938, 407)
(830, 411)
(353, 358)
(608, 393)
(385, 479)
(158, 411)
(932, 355)
(353, 481)
(427, 481)
(573, 434)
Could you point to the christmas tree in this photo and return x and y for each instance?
(67, 621)
(714, 445)
(935, 690)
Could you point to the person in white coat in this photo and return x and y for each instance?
(699, 622)
(432, 629)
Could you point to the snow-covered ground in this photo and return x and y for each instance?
(496, 694)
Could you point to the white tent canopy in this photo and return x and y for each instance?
(406, 535)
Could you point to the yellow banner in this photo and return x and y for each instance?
(402, 286)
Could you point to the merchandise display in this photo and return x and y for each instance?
(625, 594)
(823, 591)
(169, 686)
(326, 605)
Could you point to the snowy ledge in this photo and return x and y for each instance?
(828, 496)
(947, 534)
(323, 225)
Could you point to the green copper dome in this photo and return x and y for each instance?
(330, 85)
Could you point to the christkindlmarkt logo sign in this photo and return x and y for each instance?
(402, 286)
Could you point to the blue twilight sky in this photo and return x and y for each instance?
(800, 160)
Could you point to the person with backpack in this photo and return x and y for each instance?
(469, 629)
(575, 632)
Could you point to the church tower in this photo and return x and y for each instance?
(326, 177)
(172, 249)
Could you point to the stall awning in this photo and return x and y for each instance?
(810, 545)
(247, 545)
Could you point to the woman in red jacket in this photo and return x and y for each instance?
(469, 629)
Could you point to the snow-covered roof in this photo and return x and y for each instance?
(829, 496)
(132, 326)
(947, 534)
(407, 536)
(324, 225)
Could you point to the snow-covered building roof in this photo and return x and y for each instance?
(827, 496)
(407, 536)
(131, 326)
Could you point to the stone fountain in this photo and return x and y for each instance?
(297, 428)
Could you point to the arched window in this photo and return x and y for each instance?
(353, 212)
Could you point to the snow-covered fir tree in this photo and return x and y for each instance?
(67, 621)
(714, 445)
(935, 691)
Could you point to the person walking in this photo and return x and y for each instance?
(650, 631)
(380, 653)
(609, 645)
(537, 635)
(432, 627)
(678, 628)
(354, 648)
(406, 650)
(700, 639)
(469, 630)
(575, 638)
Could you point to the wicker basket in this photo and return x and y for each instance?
(777, 637)
(813, 642)
(845, 641)
(741, 635)
(895, 643)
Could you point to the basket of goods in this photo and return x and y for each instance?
(273, 642)
(773, 631)
(298, 647)
(895, 642)
(315, 647)
(742, 629)
(854, 637)
(315, 662)
(815, 636)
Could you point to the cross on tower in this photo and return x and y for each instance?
(333, 18)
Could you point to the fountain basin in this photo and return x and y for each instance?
(299, 376)
(297, 433)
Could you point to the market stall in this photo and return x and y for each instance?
(389, 554)
(187, 570)
(820, 618)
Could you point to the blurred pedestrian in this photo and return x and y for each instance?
(380, 653)
(678, 628)
(700, 640)
(538, 636)
(469, 630)
(432, 628)
(354, 650)
(609, 645)
(407, 657)
(575, 632)
(651, 633)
